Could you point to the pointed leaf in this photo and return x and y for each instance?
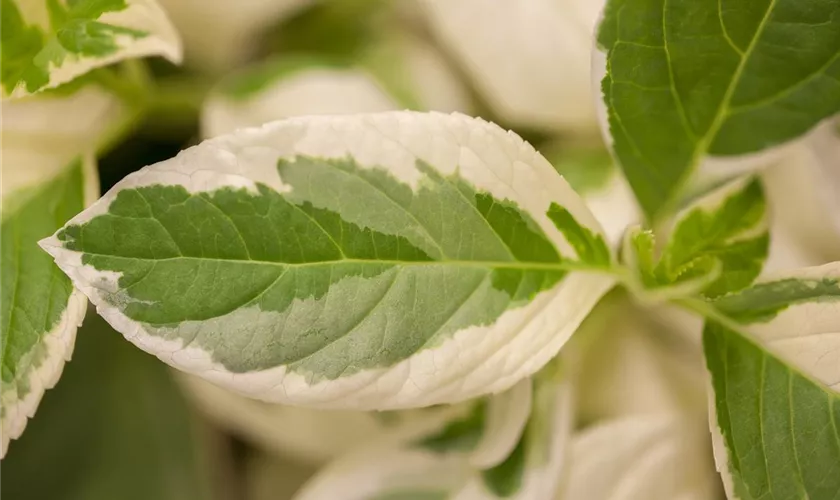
(686, 79)
(373, 262)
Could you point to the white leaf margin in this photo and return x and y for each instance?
(58, 344)
(517, 345)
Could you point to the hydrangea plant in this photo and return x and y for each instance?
(354, 264)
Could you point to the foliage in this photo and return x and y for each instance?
(345, 267)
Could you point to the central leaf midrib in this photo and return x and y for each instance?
(563, 265)
(723, 111)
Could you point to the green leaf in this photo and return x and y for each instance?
(718, 245)
(80, 36)
(138, 439)
(686, 80)
(776, 375)
(302, 261)
(39, 308)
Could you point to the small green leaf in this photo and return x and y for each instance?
(718, 245)
(351, 249)
(75, 41)
(687, 79)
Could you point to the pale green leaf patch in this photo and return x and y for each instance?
(718, 245)
(41, 310)
(739, 78)
(50, 42)
(378, 261)
(773, 356)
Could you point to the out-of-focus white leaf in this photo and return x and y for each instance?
(637, 365)
(803, 191)
(402, 71)
(650, 457)
(530, 59)
(217, 34)
(313, 436)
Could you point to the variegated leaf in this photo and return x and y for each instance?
(370, 262)
(49, 42)
(775, 366)
(45, 183)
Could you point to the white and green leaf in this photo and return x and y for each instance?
(773, 357)
(40, 309)
(655, 457)
(48, 176)
(740, 77)
(46, 43)
(370, 262)
(718, 245)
